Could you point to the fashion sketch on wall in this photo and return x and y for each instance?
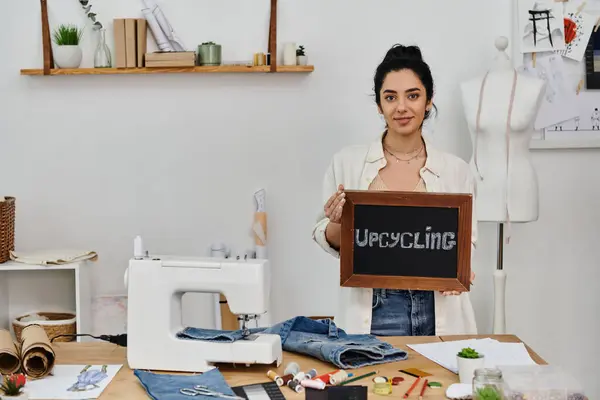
(541, 26)
(585, 125)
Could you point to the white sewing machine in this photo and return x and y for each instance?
(155, 286)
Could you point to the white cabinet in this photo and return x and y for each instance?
(53, 288)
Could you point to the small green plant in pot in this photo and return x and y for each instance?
(209, 53)
(468, 360)
(67, 53)
(301, 57)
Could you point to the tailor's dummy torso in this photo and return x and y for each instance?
(496, 171)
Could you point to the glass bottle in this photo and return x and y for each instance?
(488, 384)
(102, 58)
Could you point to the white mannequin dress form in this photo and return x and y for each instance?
(507, 184)
(500, 108)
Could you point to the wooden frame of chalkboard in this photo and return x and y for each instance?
(406, 240)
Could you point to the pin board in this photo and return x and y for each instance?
(406, 240)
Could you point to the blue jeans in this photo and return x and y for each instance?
(320, 339)
(403, 313)
(166, 386)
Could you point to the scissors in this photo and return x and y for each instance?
(200, 390)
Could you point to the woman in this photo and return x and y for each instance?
(399, 160)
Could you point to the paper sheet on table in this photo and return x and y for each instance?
(560, 99)
(73, 382)
(496, 353)
(52, 257)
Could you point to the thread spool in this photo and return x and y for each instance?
(313, 384)
(311, 374)
(325, 377)
(274, 377)
(292, 368)
(299, 376)
(338, 377)
(382, 388)
(287, 378)
(295, 386)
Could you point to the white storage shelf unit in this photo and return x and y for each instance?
(28, 288)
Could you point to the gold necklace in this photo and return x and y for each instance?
(406, 161)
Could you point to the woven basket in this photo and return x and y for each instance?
(57, 324)
(7, 228)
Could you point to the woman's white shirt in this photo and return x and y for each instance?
(356, 167)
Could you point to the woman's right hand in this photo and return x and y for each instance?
(335, 204)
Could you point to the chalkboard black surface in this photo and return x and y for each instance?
(406, 240)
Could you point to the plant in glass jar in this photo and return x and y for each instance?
(12, 387)
(468, 361)
(488, 384)
(102, 56)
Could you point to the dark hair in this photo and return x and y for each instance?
(401, 57)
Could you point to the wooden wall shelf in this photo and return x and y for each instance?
(172, 70)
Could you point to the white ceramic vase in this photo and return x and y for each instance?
(302, 60)
(23, 396)
(67, 56)
(467, 367)
(289, 54)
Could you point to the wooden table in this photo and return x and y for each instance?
(126, 386)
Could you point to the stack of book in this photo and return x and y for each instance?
(130, 42)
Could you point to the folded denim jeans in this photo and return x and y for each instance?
(167, 386)
(320, 339)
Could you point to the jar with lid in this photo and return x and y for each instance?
(488, 384)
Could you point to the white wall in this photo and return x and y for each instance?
(96, 160)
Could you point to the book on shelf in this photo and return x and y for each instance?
(130, 36)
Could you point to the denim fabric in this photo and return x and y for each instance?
(403, 313)
(320, 339)
(166, 386)
(213, 335)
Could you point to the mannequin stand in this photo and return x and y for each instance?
(500, 286)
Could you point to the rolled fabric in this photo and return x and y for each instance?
(10, 362)
(37, 354)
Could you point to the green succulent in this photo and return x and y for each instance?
(468, 352)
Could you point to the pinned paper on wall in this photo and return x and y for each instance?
(541, 26)
(578, 27)
(559, 103)
(586, 125)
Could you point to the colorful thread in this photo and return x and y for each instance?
(311, 374)
(287, 378)
(292, 368)
(313, 384)
(295, 386)
(275, 378)
(339, 377)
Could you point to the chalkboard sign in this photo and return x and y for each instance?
(406, 240)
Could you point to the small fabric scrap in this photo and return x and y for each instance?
(168, 386)
(52, 257)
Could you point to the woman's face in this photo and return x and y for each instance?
(403, 102)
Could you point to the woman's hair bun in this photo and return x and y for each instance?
(399, 51)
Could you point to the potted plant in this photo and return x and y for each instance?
(301, 57)
(12, 387)
(468, 360)
(209, 53)
(67, 53)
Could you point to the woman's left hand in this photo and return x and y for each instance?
(454, 292)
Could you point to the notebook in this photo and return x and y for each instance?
(496, 353)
